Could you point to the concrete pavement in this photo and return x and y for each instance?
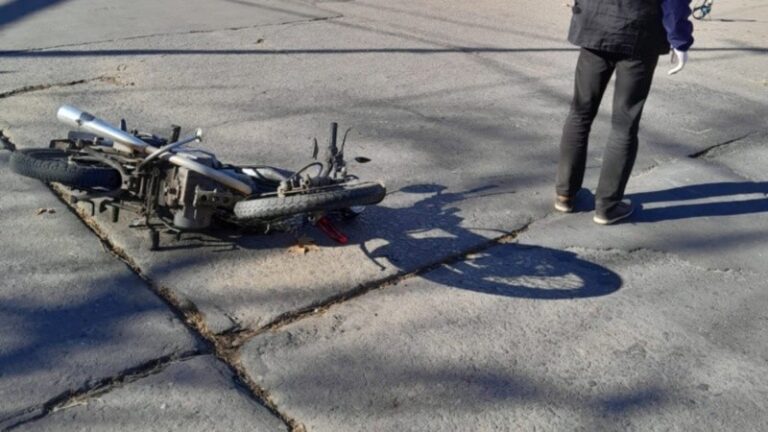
(195, 394)
(462, 301)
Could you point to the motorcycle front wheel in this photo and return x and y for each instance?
(342, 196)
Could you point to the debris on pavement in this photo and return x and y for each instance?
(303, 246)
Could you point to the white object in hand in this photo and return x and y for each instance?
(682, 59)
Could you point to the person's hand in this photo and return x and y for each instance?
(682, 59)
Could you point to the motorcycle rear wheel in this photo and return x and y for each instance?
(54, 165)
(341, 197)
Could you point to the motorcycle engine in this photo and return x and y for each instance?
(181, 194)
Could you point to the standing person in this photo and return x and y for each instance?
(625, 36)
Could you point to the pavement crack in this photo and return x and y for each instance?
(237, 338)
(219, 345)
(5, 142)
(39, 87)
(717, 148)
(91, 389)
(184, 33)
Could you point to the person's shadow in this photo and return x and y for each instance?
(723, 207)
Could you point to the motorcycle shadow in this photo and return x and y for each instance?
(430, 238)
(421, 230)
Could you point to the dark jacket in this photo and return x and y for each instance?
(632, 27)
(679, 27)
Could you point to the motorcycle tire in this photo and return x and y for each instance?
(53, 165)
(344, 196)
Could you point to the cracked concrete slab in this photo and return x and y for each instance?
(523, 337)
(460, 139)
(197, 394)
(70, 314)
(459, 105)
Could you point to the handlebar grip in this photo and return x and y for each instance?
(334, 136)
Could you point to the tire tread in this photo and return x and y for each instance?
(349, 195)
(50, 165)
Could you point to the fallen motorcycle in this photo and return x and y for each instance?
(169, 184)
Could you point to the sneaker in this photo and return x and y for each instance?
(622, 211)
(564, 204)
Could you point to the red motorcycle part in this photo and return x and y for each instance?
(326, 226)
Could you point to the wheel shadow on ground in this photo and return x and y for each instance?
(527, 271)
(728, 206)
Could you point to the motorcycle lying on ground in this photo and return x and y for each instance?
(184, 189)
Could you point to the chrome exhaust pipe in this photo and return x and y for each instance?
(74, 117)
(124, 141)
